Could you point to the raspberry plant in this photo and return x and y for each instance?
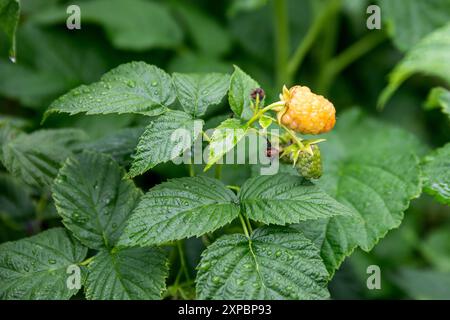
(345, 178)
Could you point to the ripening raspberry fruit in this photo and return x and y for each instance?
(305, 111)
(310, 166)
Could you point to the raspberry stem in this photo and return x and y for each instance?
(244, 226)
(294, 137)
(261, 112)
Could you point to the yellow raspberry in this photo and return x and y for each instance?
(306, 112)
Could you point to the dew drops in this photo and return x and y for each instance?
(79, 219)
(13, 59)
(205, 266)
(278, 254)
(154, 83)
(131, 83)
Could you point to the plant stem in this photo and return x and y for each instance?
(305, 45)
(40, 206)
(244, 225)
(249, 225)
(218, 171)
(183, 260)
(328, 41)
(182, 294)
(235, 188)
(282, 41)
(205, 136)
(191, 170)
(87, 261)
(347, 57)
(10, 223)
(258, 115)
(293, 136)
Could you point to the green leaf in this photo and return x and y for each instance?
(36, 267)
(180, 208)
(439, 98)
(436, 168)
(30, 7)
(430, 56)
(283, 198)
(35, 158)
(436, 248)
(408, 21)
(7, 133)
(245, 5)
(93, 199)
(102, 125)
(208, 36)
(135, 273)
(225, 137)
(275, 263)
(241, 86)
(372, 168)
(50, 63)
(10, 233)
(167, 137)
(265, 122)
(15, 122)
(9, 19)
(189, 62)
(15, 199)
(198, 91)
(134, 87)
(424, 284)
(119, 145)
(132, 25)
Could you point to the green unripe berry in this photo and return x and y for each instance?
(310, 166)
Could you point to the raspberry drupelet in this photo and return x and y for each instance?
(306, 112)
